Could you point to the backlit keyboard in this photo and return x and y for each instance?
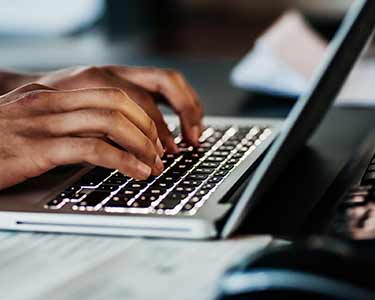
(355, 217)
(185, 184)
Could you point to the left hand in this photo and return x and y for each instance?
(139, 83)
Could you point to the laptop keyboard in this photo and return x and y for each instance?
(185, 184)
(355, 217)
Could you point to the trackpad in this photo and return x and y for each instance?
(35, 189)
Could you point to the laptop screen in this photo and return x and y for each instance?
(310, 109)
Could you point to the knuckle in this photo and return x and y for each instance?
(34, 86)
(35, 95)
(126, 158)
(116, 94)
(148, 150)
(116, 118)
(111, 118)
(173, 74)
(93, 148)
(89, 71)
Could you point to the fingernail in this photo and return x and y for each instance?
(175, 149)
(160, 147)
(144, 169)
(159, 164)
(172, 147)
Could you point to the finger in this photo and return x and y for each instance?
(175, 88)
(108, 124)
(100, 98)
(163, 131)
(71, 150)
(18, 94)
(146, 102)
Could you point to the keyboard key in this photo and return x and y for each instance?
(369, 178)
(371, 168)
(187, 207)
(194, 154)
(137, 185)
(181, 167)
(203, 170)
(208, 186)
(116, 181)
(93, 199)
(184, 189)
(221, 153)
(232, 161)
(120, 175)
(168, 202)
(243, 149)
(353, 201)
(118, 202)
(73, 188)
(238, 155)
(163, 184)
(127, 192)
(195, 199)
(215, 179)
(156, 191)
(175, 174)
(221, 173)
(206, 145)
(56, 203)
(76, 197)
(215, 158)
(148, 198)
(107, 187)
(227, 167)
(65, 195)
(202, 192)
(193, 183)
(177, 195)
(193, 176)
(141, 204)
(227, 148)
(188, 161)
(209, 164)
(232, 142)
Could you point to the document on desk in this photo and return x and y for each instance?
(37, 266)
(285, 58)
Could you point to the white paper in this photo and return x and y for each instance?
(284, 60)
(56, 266)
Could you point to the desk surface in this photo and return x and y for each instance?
(140, 268)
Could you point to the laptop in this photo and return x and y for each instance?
(190, 198)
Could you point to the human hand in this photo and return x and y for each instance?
(140, 84)
(42, 128)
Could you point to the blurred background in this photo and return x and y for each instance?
(44, 34)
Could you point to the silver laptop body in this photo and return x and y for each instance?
(27, 206)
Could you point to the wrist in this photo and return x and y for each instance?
(11, 80)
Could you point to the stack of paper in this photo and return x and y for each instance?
(284, 60)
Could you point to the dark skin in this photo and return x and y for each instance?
(105, 116)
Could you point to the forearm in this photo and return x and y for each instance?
(10, 80)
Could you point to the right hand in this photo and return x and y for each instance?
(42, 128)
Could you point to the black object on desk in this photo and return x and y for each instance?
(318, 269)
